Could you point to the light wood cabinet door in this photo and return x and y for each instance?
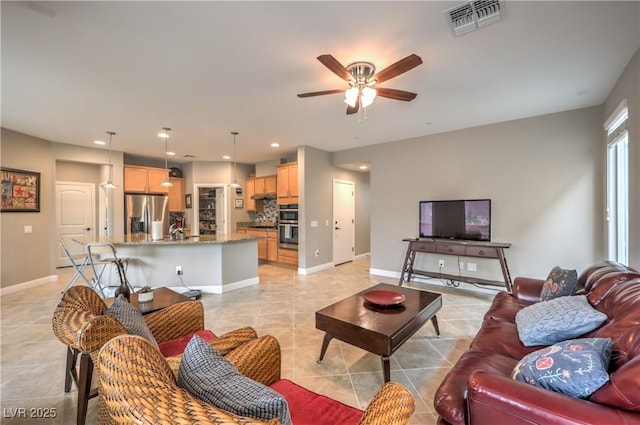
(262, 242)
(272, 245)
(270, 184)
(287, 183)
(156, 177)
(250, 190)
(135, 179)
(144, 179)
(259, 185)
(176, 194)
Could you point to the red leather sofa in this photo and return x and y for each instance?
(479, 389)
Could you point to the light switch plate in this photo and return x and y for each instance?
(28, 229)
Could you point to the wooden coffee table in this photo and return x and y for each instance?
(378, 330)
(162, 298)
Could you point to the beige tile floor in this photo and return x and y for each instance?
(283, 305)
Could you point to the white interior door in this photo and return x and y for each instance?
(75, 217)
(343, 221)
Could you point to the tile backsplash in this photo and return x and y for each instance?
(269, 213)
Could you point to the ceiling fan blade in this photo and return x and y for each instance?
(407, 96)
(320, 93)
(353, 110)
(335, 66)
(400, 67)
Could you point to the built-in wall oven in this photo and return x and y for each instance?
(288, 226)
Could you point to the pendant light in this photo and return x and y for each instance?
(109, 184)
(166, 182)
(235, 183)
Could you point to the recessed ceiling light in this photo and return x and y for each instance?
(171, 153)
(363, 167)
(275, 145)
(99, 142)
(226, 157)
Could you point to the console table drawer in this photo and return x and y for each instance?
(423, 246)
(480, 251)
(452, 249)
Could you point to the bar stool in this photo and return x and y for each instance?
(102, 255)
(79, 268)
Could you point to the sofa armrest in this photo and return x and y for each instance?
(392, 405)
(176, 320)
(493, 399)
(527, 289)
(231, 340)
(258, 359)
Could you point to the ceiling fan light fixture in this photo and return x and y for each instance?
(235, 183)
(368, 94)
(351, 96)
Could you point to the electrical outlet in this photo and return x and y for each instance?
(441, 263)
(472, 267)
(179, 270)
(461, 265)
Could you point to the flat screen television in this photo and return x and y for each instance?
(462, 219)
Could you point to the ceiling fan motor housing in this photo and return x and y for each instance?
(361, 72)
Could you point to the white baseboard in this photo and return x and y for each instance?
(315, 269)
(218, 289)
(361, 256)
(28, 285)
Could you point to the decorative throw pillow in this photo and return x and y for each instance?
(559, 283)
(131, 318)
(562, 318)
(209, 377)
(576, 368)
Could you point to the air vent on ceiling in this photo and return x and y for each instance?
(472, 15)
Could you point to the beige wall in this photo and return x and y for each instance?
(543, 175)
(316, 170)
(27, 257)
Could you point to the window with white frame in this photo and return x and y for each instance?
(618, 184)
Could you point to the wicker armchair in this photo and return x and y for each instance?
(79, 322)
(137, 386)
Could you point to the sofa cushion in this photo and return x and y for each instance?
(576, 367)
(131, 318)
(559, 319)
(176, 346)
(560, 283)
(209, 377)
(309, 408)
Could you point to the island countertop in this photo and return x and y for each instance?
(145, 239)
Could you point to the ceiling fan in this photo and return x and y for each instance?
(362, 79)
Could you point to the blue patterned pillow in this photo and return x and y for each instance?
(559, 319)
(209, 377)
(131, 318)
(559, 283)
(576, 367)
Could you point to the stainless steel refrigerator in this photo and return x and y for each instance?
(141, 210)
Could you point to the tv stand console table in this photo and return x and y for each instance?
(475, 249)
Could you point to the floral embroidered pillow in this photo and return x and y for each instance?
(559, 283)
(577, 367)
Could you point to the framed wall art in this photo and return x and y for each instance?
(239, 203)
(20, 190)
(187, 200)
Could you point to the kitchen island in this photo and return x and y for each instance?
(211, 263)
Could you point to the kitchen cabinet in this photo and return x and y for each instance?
(288, 256)
(259, 187)
(287, 183)
(250, 190)
(176, 194)
(144, 179)
(272, 245)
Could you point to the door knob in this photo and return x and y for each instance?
(337, 228)
(88, 228)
